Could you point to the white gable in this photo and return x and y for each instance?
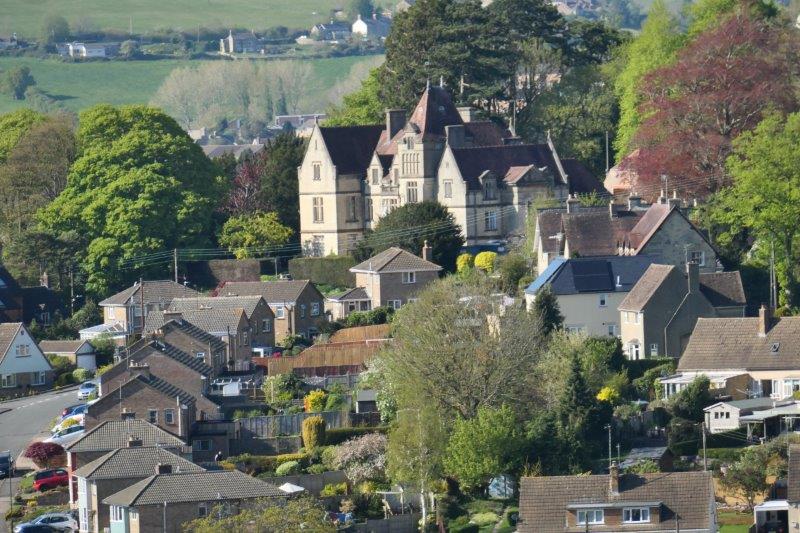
(23, 355)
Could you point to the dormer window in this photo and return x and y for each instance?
(636, 515)
(489, 191)
(591, 516)
(376, 177)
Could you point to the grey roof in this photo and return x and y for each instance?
(359, 293)
(214, 151)
(134, 462)
(272, 291)
(351, 147)
(194, 363)
(544, 500)
(164, 387)
(216, 485)
(61, 346)
(723, 289)
(646, 287)
(154, 291)
(112, 434)
(750, 403)
(597, 274)
(209, 303)
(653, 453)
(213, 321)
(395, 260)
(193, 331)
(733, 343)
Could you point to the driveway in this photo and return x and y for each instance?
(20, 422)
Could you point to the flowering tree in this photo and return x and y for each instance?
(363, 458)
(43, 453)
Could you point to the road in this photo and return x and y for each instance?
(25, 419)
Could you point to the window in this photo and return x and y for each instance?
(367, 209)
(591, 516)
(314, 308)
(302, 310)
(8, 380)
(633, 351)
(490, 220)
(636, 317)
(352, 306)
(318, 211)
(411, 192)
(575, 330)
(202, 510)
(409, 277)
(317, 171)
(23, 350)
(245, 340)
(37, 378)
(716, 415)
(612, 330)
(376, 176)
(352, 208)
(654, 349)
(152, 416)
(117, 514)
(202, 445)
(280, 312)
(200, 355)
(448, 189)
(698, 257)
(603, 300)
(636, 515)
(728, 414)
(394, 304)
(489, 191)
(169, 416)
(266, 325)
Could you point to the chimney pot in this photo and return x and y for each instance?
(764, 320)
(427, 251)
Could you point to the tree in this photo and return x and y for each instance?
(691, 401)
(313, 432)
(464, 262)
(140, 185)
(361, 7)
(269, 515)
(512, 268)
(129, 49)
(545, 307)
(279, 186)
(683, 436)
(16, 81)
(720, 85)
(748, 475)
(246, 236)
(363, 458)
(43, 453)
(361, 107)
(55, 29)
(409, 226)
(483, 447)
(13, 126)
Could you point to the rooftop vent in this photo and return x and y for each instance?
(775, 347)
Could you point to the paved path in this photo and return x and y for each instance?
(20, 422)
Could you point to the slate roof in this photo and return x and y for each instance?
(593, 274)
(499, 160)
(61, 346)
(395, 259)
(214, 151)
(580, 179)
(544, 500)
(197, 333)
(654, 453)
(733, 343)
(206, 303)
(351, 147)
(212, 321)
(154, 291)
(594, 232)
(649, 223)
(194, 363)
(193, 487)
(485, 133)
(723, 289)
(272, 291)
(134, 462)
(359, 293)
(646, 287)
(164, 387)
(793, 482)
(434, 111)
(112, 434)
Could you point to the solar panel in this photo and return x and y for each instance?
(592, 276)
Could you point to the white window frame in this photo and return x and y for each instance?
(317, 171)
(200, 355)
(412, 192)
(409, 277)
(117, 514)
(613, 330)
(8, 381)
(280, 312)
(169, 416)
(202, 510)
(38, 378)
(23, 350)
(634, 351)
(318, 209)
(302, 310)
(490, 221)
(602, 300)
(698, 257)
(394, 304)
(653, 348)
(315, 308)
(637, 318)
(595, 516)
(448, 188)
(644, 515)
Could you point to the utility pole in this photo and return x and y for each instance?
(71, 291)
(619, 455)
(607, 158)
(175, 262)
(608, 427)
(705, 458)
(677, 523)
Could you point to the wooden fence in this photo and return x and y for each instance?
(264, 427)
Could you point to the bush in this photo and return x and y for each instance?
(69, 422)
(736, 438)
(727, 455)
(462, 525)
(331, 270)
(327, 457)
(288, 468)
(316, 469)
(333, 489)
(485, 519)
(103, 369)
(314, 402)
(363, 458)
(79, 375)
(683, 436)
(485, 261)
(340, 435)
(42, 453)
(313, 432)
(257, 464)
(464, 262)
(63, 380)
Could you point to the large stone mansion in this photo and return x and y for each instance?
(351, 176)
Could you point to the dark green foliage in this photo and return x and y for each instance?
(15, 81)
(340, 435)
(65, 329)
(691, 401)
(279, 186)
(332, 270)
(462, 525)
(512, 268)
(409, 226)
(379, 315)
(361, 7)
(546, 307)
(645, 383)
(55, 29)
(683, 436)
(728, 439)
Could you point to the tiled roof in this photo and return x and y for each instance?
(723, 289)
(8, 331)
(154, 291)
(733, 343)
(544, 500)
(193, 487)
(358, 293)
(209, 303)
(581, 181)
(434, 111)
(272, 291)
(178, 355)
(214, 151)
(113, 434)
(164, 387)
(472, 162)
(395, 260)
(135, 461)
(594, 232)
(213, 321)
(549, 225)
(595, 274)
(485, 133)
(61, 346)
(649, 223)
(195, 332)
(793, 482)
(351, 147)
(646, 287)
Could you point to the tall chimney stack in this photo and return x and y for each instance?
(693, 276)
(634, 200)
(573, 204)
(764, 319)
(427, 251)
(613, 479)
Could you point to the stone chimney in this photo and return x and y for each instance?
(573, 204)
(427, 251)
(612, 209)
(662, 197)
(634, 200)
(613, 479)
(135, 370)
(454, 135)
(395, 121)
(162, 468)
(468, 113)
(693, 276)
(674, 201)
(134, 442)
(764, 320)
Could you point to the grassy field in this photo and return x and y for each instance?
(731, 522)
(80, 85)
(25, 16)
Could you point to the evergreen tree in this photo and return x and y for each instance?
(546, 307)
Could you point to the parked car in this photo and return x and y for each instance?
(78, 418)
(35, 528)
(50, 479)
(86, 389)
(54, 521)
(74, 410)
(68, 410)
(67, 435)
(6, 464)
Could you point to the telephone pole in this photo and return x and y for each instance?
(705, 458)
(608, 427)
(175, 262)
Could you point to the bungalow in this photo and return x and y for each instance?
(23, 366)
(79, 352)
(726, 416)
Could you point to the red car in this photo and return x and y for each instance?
(49, 479)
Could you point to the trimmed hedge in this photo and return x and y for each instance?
(257, 464)
(340, 435)
(331, 270)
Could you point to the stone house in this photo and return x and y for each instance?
(352, 176)
(371, 28)
(639, 503)
(166, 501)
(298, 306)
(117, 470)
(79, 352)
(589, 290)
(391, 278)
(23, 366)
(659, 313)
(660, 230)
(239, 43)
(331, 31)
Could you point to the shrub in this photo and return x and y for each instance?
(609, 394)
(485, 261)
(340, 435)
(288, 468)
(81, 374)
(379, 315)
(256, 464)
(69, 422)
(327, 457)
(42, 453)
(363, 458)
(63, 379)
(333, 489)
(314, 402)
(464, 262)
(331, 270)
(728, 439)
(645, 466)
(313, 432)
(485, 519)
(103, 369)
(462, 525)
(316, 469)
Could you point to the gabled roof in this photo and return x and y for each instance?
(544, 500)
(219, 485)
(395, 259)
(719, 344)
(134, 462)
(62, 346)
(580, 180)
(154, 291)
(113, 434)
(593, 274)
(723, 289)
(358, 293)
(646, 287)
(8, 332)
(209, 303)
(214, 321)
(195, 332)
(164, 387)
(499, 160)
(193, 363)
(350, 147)
(594, 232)
(272, 291)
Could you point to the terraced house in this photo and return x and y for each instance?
(352, 176)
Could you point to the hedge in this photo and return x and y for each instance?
(637, 368)
(256, 464)
(331, 270)
(728, 455)
(340, 435)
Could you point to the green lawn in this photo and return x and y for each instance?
(732, 522)
(80, 85)
(25, 16)
(734, 529)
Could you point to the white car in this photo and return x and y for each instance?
(86, 389)
(65, 436)
(60, 521)
(79, 418)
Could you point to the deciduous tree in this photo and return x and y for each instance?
(247, 235)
